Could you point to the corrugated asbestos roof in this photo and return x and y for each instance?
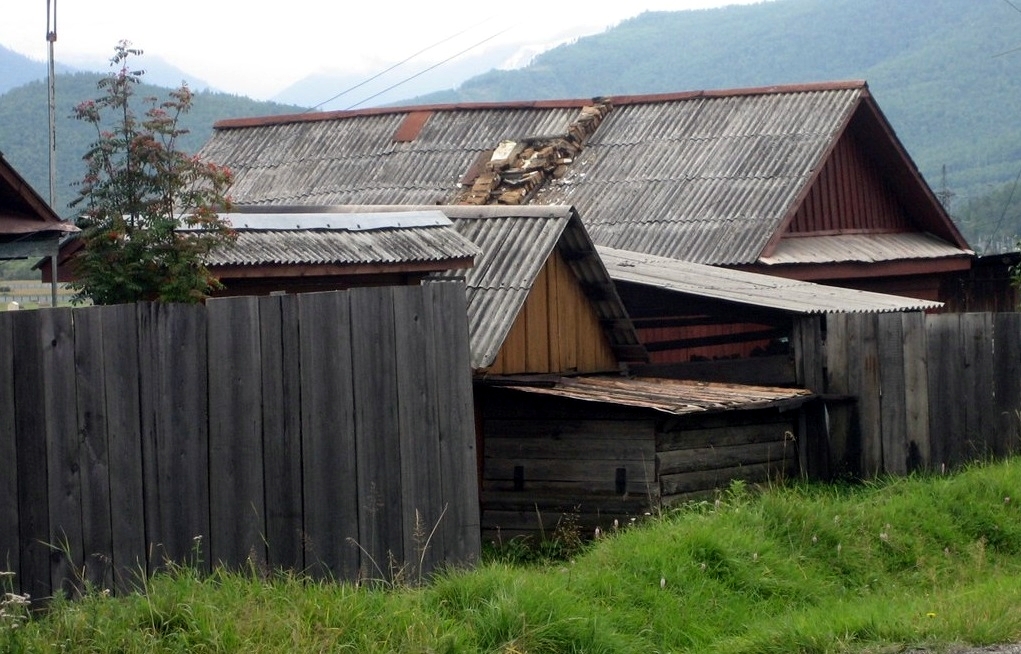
(675, 396)
(514, 244)
(705, 177)
(861, 248)
(342, 239)
(752, 289)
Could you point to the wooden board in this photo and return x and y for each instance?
(330, 484)
(97, 521)
(175, 445)
(377, 433)
(568, 429)
(721, 478)
(1007, 376)
(421, 489)
(281, 429)
(236, 493)
(447, 316)
(869, 390)
(725, 435)
(31, 442)
(710, 458)
(892, 383)
(124, 443)
(56, 332)
(946, 414)
(10, 549)
(979, 404)
(916, 392)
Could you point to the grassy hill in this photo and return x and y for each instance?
(881, 567)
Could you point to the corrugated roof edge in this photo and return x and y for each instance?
(283, 119)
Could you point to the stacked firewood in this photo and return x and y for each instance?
(517, 169)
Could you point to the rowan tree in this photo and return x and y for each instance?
(150, 212)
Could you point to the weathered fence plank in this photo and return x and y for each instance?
(328, 437)
(869, 401)
(422, 494)
(979, 406)
(175, 446)
(31, 442)
(64, 470)
(447, 315)
(916, 391)
(1007, 376)
(281, 429)
(946, 414)
(97, 523)
(893, 414)
(10, 551)
(124, 442)
(236, 493)
(377, 432)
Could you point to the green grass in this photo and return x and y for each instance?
(877, 567)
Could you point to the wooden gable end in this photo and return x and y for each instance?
(557, 330)
(851, 195)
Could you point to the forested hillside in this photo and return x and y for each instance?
(947, 73)
(23, 127)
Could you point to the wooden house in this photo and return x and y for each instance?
(28, 225)
(806, 182)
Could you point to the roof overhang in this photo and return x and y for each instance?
(750, 289)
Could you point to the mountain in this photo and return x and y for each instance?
(19, 69)
(329, 91)
(945, 72)
(24, 118)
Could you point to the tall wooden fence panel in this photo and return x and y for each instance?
(330, 433)
(931, 391)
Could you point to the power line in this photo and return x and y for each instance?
(397, 65)
(423, 72)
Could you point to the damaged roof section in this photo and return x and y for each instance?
(517, 169)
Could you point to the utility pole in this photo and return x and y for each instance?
(51, 38)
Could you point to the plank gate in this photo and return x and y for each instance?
(929, 392)
(330, 433)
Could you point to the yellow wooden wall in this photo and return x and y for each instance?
(557, 330)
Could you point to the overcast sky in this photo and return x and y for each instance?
(281, 42)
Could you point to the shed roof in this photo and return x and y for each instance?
(711, 177)
(331, 238)
(752, 289)
(515, 243)
(674, 396)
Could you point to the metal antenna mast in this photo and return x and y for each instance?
(51, 38)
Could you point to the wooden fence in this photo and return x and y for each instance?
(922, 391)
(329, 432)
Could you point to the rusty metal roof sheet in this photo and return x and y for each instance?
(862, 248)
(342, 239)
(678, 397)
(751, 289)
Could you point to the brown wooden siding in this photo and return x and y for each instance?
(849, 195)
(739, 338)
(557, 331)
